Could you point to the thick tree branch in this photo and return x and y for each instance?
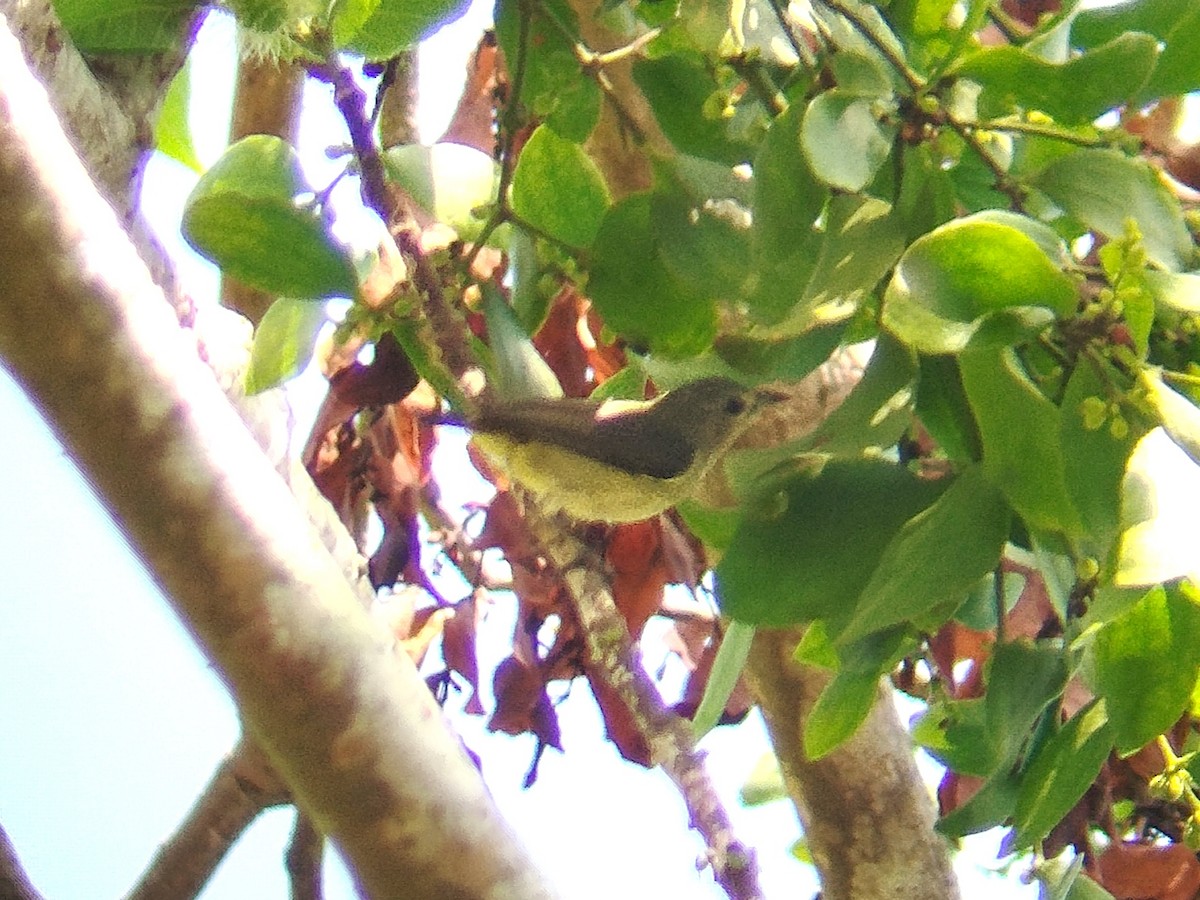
(343, 716)
(867, 815)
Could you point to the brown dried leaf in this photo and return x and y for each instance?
(1149, 872)
(639, 571)
(458, 648)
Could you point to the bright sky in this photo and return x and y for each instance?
(113, 721)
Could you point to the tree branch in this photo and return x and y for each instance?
(867, 816)
(242, 787)
(342, 715)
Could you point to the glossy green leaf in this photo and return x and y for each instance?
(1094, 459)
(845, 138)
(991, 805)
(283, 342)
(1104, 188)
(451, 182)
(244, 216)
(1022, 445)
(1143, 696)
(1175, 291)
(1060, 772)
(678, 88)
(846, 701)
(723, 678)
(1022, 680)
(379, 29)
(125, 26)
(705, 247)
(786, 359)
(943, 409)
(172, 130)
(1179, 416)
(347, 17)
(879, 408)
(1158, 502)
(842, 707)
(935, 557)
(1073, 93)
(1174, 22)
(554, 87)
(787, 196)
(950, 279)
(829, 276)
(635, 292)
(519, 371)
(835, 524)
(558, 189)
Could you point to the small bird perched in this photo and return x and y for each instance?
(618, 460)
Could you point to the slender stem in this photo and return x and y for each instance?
(915, 83)
(798, 45)
(1038, 130)
(751, 69)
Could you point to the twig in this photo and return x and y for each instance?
(668, 736)
(919, 87)
(798, 45)
(303, 859)
(240, 789)
(14, 883)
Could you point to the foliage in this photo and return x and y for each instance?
(986, 201)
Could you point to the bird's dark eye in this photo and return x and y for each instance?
(735, 406)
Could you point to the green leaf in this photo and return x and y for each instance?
(1160, 495)
(557, 189)
(703, 245)
(879, 408)
(943, 409)
(283, 342)
(678, 88)
(1094, 460)
(380, 29)
(1179, 416)
(451, 182)
(554, 88)
(845, 138)
(842, 707)
(1173, 22)
(1022, 679)
(828, 276)
(1022, 444)
(847, 700)
(244, 216)
(835, 524)
(1073, 93)
(125, 26)
(1059, 773)
(172, 130)
(347, 17)
(935, 557)
(635, 292)
(991, 805)
(520, 372)
(723, 678)
(1175, 291)
(787, 359)
(950, 279)
(1145, 697)
(1104, 188)
(787, 196)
